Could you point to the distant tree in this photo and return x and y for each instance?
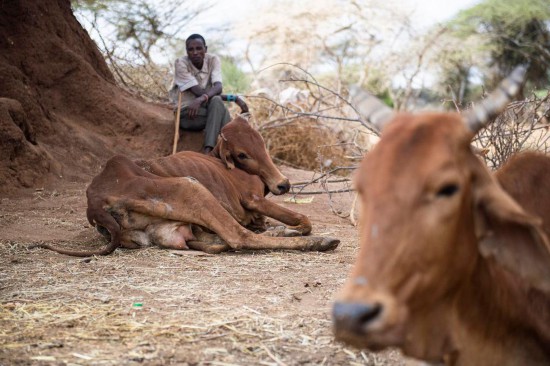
(344, 41)
(135, 34)
(142, 26)
(452, 61)
(511, 32)
(234, 79)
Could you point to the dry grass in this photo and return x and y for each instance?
(80, 314)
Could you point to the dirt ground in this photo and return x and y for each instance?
(161, 307)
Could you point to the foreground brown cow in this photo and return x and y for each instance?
(133, 207)
(453, 266)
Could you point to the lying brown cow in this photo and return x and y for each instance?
(453, 266)
(133, 207)
(239, 175)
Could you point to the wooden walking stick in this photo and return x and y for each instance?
(177, 125)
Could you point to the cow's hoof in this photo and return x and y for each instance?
(326, 244)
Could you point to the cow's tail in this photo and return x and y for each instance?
(99, 218)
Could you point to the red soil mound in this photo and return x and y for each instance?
(61, 114)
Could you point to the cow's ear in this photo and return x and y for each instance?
(225, 154)
(509, 235)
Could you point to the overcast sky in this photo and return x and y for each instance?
(228, 13)
(425, 12)
(429, 12)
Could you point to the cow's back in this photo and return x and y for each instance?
(526, 177)
(227, 185)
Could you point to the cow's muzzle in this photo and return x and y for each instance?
(352, 319)
(282, 187)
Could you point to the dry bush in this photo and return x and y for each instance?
(312, 131)
(524, 125)
(304, 139)
(306, 143)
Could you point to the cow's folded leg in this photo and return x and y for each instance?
(294, 220)
(309, 243)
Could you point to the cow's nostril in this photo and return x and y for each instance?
(283, 187)
(354, 316)
(370, 313)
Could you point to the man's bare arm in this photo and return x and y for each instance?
(202, 96)
(216, 89)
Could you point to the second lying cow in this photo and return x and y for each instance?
(188, 191)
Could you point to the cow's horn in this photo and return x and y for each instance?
(370, 107)
(491, 106)
(246, 116)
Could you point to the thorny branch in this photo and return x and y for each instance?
(320, 98)
(523, 125)
(339, 96)
(295, 114)
(324, 180)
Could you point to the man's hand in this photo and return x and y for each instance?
(241, 104)
(193, 107)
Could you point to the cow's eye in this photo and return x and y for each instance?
(447, 190)
(242, 156)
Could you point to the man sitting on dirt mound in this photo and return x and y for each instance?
(198, 76)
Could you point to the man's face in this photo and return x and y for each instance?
(196, 51)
